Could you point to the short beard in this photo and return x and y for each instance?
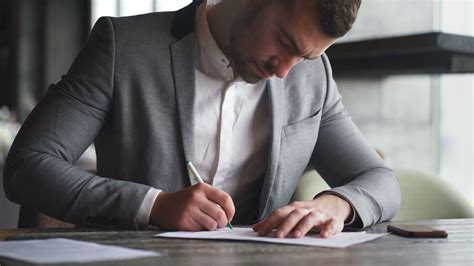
(237, 57)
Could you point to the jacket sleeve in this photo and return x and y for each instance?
(350, 166)
(39, 171)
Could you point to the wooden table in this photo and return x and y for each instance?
(457, 249)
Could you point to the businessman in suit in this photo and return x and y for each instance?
(242, 89)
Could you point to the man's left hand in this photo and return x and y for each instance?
(326, 212)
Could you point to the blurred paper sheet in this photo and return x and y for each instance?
(60, 250)
(340, 240)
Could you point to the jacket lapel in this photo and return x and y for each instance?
(182, 61)
(269, 193)
(182, 57)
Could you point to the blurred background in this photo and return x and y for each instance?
(421, 120)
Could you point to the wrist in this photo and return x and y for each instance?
(145, 209)
(157, 209)
(336, 205)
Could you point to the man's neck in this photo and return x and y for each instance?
(220, 18)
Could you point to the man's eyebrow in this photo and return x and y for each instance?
(294, 44)
(292, 41)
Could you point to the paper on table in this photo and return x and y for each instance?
(340, 240)
(61, 250)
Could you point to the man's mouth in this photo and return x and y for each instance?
(262, 73)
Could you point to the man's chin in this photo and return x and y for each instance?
(251, 79)
(247, 74)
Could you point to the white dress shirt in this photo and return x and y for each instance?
(231, 129)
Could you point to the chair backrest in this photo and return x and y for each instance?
(427, 196)
(29, 218)
(424, 196)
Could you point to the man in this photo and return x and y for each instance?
(221, 85)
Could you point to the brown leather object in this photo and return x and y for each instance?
(29, 218)
(411, 230)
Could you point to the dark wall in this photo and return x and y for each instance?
(38, 41)
(5, 98)
(43, 38)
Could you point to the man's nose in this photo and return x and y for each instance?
(283, 65)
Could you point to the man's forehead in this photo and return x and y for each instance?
(298, 10)
(301, 24)
(296, 5)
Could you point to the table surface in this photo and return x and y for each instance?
(457, 249)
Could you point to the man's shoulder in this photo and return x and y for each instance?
(150, 30)
(310, 72)
(157, 21)
(308, 82)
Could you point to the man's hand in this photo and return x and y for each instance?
(327, 213)
(199, 207)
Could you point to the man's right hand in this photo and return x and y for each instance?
(199, 207)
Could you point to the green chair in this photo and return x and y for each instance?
(424, 196)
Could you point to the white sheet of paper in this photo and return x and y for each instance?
(340, 240)
(61, 250)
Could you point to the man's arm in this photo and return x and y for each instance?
(351, 166)
(359, 178)
(39, 171)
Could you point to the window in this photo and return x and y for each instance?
(117, 8)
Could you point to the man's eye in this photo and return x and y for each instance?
(282, 41)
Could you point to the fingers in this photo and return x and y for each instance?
(312, 219)
(296, 222)
(215, 208)
(215, 212)
(191, 225)
(273, 221)
(200, 207)
(256, 226)
(220, 198)
(203, 220)
(331, 228)
(290, 222)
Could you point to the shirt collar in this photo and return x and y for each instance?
(210, 58)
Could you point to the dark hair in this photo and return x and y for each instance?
(337, 16)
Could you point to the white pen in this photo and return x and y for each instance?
(196, 175)
(198, 178)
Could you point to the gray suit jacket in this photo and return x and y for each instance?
(130, 90)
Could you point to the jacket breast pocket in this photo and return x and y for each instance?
(299, 126)
(297, 144)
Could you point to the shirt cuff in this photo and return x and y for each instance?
(144, 212)
(350, 220)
